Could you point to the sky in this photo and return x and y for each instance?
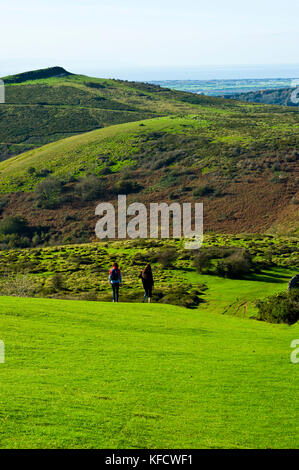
(121, 38)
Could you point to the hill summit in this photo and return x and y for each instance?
(37, 75)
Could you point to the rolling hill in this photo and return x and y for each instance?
(45, 105)
(243, 166)
(240, 159)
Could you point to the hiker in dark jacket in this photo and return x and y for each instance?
(294, 283)
(115, 281)
(146, 276)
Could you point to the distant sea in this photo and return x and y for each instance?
(220, 72)
(96, 68)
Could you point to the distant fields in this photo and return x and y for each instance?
(97, 375)
(224, 87)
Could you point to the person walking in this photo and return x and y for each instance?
(115, 280)
(146, 276)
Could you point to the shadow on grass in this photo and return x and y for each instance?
(271, 277)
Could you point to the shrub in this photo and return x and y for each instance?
(276, 166)
(3, 203)
(167, 257)
(43, 173)
(14, 225)
(235, 266)
(280, 308)
(57, 282)
(169, 180)
(21, 285)
(90, 188)
(203, 190)
(202, 261)
(16, 241)
(279, 178)
(105, 171)
(31, 170)
(126, 187)
(181, 298)
(181, 295)
(48, 193)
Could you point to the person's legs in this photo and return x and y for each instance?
(149, 293)
(113, 292)
(145, 286)
(116, 290)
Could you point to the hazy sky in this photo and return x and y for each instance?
(116, 35)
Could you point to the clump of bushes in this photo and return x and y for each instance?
(179, 296)
(126, 187)
(166, 257)
(203, 190)
(203, 261)
(16, 225)
(236, 266)
(54, 284)
(15, 232)
(224, 261)
(280, 308)
(90, 188)
(3, 203)
(21, 285)
(48, 193)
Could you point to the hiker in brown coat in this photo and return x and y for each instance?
(146, 276)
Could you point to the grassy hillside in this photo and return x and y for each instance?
(238, 162)
(282, 97)
(97, 375)
(46, 105)
(238, 158)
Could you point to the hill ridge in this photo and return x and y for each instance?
(38, 74)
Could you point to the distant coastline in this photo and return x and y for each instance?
(225, 87)
(156, 73)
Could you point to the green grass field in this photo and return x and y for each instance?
(97, 375)
(83, 271)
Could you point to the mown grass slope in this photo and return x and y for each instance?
(98, 375)
(81, 272)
